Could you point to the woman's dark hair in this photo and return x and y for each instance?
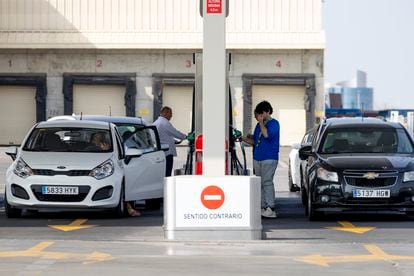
(263, 106)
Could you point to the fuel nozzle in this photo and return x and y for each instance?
(191, 137)
(237, 134)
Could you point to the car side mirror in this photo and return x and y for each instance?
(305, 152)
(296, 146)
(165, 147)
(132, 152)
(12, 152)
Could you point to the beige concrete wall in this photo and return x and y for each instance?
(146, 62)
(161, 24)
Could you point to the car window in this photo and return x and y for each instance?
(125, 130)
(142, 139)
(60, 139)
(366, 140)
(404, 144)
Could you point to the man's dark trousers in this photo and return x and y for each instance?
(169, 165)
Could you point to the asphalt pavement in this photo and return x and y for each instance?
(93, 244)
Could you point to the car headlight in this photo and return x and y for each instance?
(408, 176)
(103, 170)
(327, 175)
(22, 170)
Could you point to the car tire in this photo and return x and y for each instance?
(290, 181)
(120, 210)
(292, 187)
(11, 212)
(153, 203)
(304, 196)
(312, 214)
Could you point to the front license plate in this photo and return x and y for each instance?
(371, 193)
(59, 190)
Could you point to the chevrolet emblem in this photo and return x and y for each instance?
(370, 175)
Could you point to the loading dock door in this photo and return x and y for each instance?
(99, 99)
(180, 99)
(288, 105)
(17, 113)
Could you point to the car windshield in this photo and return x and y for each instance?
(59, 139)
(366, 140)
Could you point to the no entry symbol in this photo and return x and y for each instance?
(212, 197)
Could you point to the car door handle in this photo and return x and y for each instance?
(159, 160)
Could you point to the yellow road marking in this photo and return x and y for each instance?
(75, 225)
(96, 257)
(40, 246)
(38, 251)
(377, 254)
(349, 227)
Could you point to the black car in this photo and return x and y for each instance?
(358, 164)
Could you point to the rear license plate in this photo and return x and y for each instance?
(371, 193)
(59, 190)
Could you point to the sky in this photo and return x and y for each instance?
(375, 36)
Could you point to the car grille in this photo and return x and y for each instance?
(363, 182)
(384, 178)
(68, 173)
(83, 192)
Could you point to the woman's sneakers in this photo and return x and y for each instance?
(268, 213)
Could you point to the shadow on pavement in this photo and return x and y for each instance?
(291, 215)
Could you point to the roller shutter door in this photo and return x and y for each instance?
(180, 99)
(99, 99)
(17, 113)
(288, 105)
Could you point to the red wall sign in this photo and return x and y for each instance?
(212, 197)
(214, 6)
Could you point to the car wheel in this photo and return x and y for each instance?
(119, 210)
(304, 196)
(292, 187)
(290, 181)
(310, 210)
(11, 212)
(153, 203)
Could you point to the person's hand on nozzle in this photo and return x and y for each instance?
(248, 139)
(190, 136)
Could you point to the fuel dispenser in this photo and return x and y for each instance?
(199, 155)
(195, 148)
(214, 205)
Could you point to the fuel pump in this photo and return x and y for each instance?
(213, 193)
(195, 150)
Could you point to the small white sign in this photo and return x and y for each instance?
(212, 202)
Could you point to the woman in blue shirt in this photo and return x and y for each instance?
(265, 142)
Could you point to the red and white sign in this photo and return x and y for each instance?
(214, 6)
(212, 201)
(212, 197)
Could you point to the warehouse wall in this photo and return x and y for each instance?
(161, 24)
(146, 62)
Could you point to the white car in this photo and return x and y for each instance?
(60, 166)
(125, 126)
(294, 173)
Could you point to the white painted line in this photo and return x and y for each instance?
(212, 197)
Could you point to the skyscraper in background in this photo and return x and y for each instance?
(352, 94)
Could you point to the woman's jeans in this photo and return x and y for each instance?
(266, 170)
